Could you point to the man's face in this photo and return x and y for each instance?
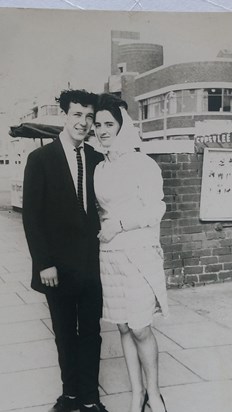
(79, 120)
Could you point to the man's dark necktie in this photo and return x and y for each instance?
(80, 180)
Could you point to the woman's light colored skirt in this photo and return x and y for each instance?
(134, 287)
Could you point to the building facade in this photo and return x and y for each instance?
(185, 110)
(174, 99)
(189, 103)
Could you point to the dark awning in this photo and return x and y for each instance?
(35, 131)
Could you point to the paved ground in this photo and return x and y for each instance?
(195, 343)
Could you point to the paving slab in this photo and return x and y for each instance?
(23, 313)
(48, 324)
(111, 345)
(195, 335)
(113, 376)
(13, 257)
(209, 363)
(30, 355)
(165, 344)
(12, 287)
(23, 332)
(19, 276)
(2, 270)
(199, 397)
(11, 299)
(117, 403)
(42, 408)
(205, 298)
(31, 296)
(7, 246)
(177, 316)
(29, 388)
(172, 302)
(15, 266)
(219, 313)
(172, 372)
(27, 284)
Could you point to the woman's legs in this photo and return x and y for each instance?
(147, 350)
(133, 366)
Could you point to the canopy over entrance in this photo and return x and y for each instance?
(35, 131)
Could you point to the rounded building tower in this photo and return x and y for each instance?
(139, 57)
(130, 58)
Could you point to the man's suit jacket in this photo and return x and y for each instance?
(56, 231)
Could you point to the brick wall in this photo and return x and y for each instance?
(128, 92)
(184, 73)
(195, 252)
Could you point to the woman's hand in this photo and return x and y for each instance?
(109, 229)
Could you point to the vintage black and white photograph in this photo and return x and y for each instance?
(115, 211)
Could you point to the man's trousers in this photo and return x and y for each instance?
(76, 324)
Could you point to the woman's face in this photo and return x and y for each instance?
(107, 127)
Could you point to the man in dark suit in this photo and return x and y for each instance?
(61, 225)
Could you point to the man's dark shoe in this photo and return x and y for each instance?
(65, 404)
(99, 407)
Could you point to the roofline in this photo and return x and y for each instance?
(165, 66)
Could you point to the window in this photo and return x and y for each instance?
(49, 110)
(213, 99)
(174, 102)
(187, 101)
(144, 109)
(121, 67)
(227, 100)
(152, 108)
(182, 101)
(155, 106)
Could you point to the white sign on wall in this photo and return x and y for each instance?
(216, 189)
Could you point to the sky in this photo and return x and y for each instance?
(40, 50)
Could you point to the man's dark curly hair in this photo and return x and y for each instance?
(111, 103)
(76, 96)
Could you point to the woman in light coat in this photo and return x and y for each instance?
(129, 191)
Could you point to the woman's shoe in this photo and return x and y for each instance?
(162, 399)
(144, 402)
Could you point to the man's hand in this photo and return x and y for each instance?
(109, 229)
(49, 276)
